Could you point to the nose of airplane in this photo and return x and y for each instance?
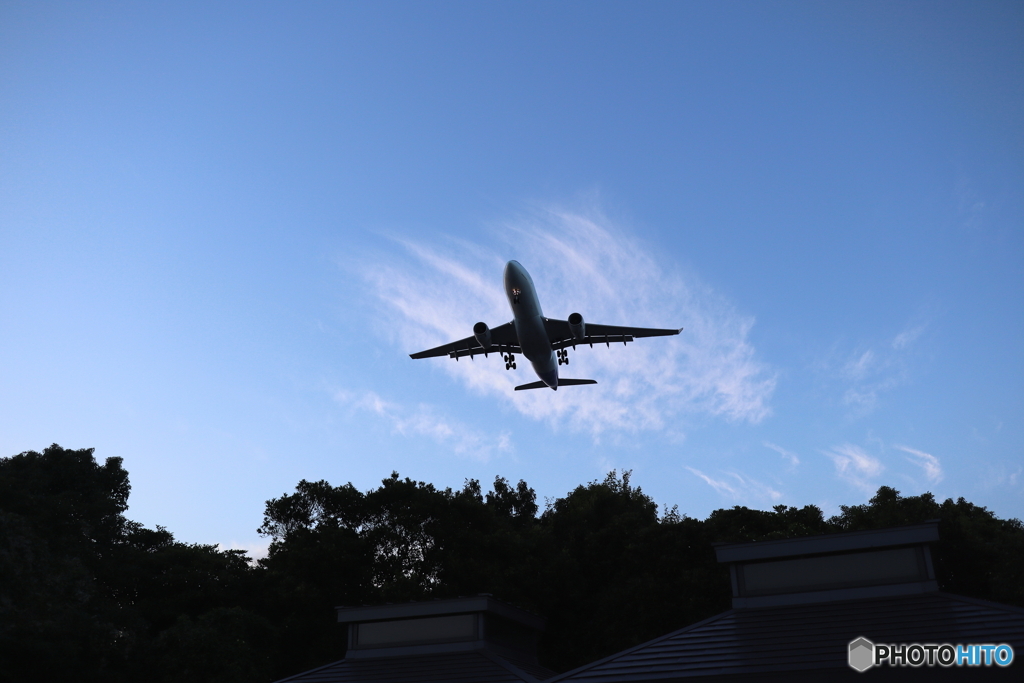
(513, 273)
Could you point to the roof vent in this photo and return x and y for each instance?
(846, 566)
(456, 625)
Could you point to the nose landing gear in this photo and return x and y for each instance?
(510, 362)
(563, 357)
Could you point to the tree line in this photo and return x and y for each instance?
(88, 595)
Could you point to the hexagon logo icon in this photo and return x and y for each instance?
(862, 654)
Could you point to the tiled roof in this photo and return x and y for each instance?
(479, 666)
(779, 641)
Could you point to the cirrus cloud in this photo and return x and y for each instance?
(425, 420)
(580, 262)
(927, 462)
(792, 457)
(739, 488)
(855, 466)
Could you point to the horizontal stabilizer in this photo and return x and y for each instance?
(561, 383)
(532, 385)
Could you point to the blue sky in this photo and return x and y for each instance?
(223, 227)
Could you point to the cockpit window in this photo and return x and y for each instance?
(515, 294)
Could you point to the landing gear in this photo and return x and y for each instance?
(563, 356)
(510, 362)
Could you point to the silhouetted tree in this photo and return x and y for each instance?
(84, 592)
(739, 524)
(405, 540)
(222, 645)
(88, 595)
(62, 521)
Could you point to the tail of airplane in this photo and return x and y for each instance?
(561, 382)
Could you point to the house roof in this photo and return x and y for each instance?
(477, 666)
(791, 639)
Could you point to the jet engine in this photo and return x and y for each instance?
(483, 335)
(577, 326)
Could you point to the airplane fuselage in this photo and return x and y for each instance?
(529, 322)
(545, 342)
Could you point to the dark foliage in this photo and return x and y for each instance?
(978, 554)
(87, 595)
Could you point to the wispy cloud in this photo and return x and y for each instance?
(863, 397)
(907, 337)
(580, 262)
(855, 466)
(426, 421)
(868, 373)
(1000, 474)
(927, 462)
(788, 455)
(856, 368)
(970, 206)
(740, 489)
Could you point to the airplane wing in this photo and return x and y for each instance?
(503, 340)
(561, 335)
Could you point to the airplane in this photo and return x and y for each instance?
(542, 340)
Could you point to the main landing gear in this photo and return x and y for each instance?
(510, 362)
(563, 356)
